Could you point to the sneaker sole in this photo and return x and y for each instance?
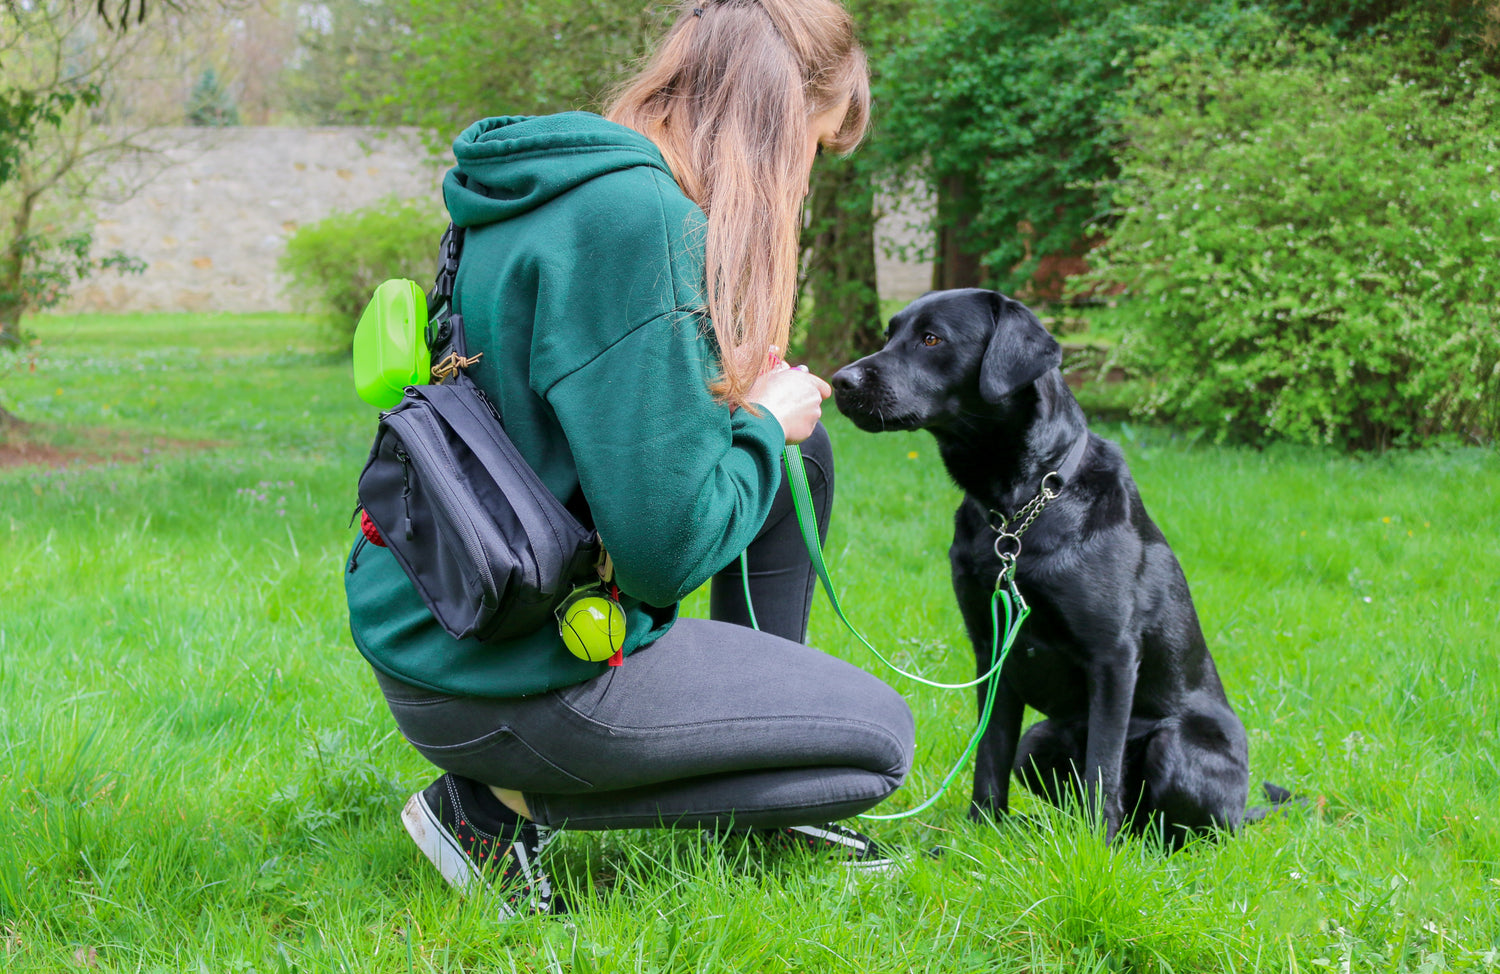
(440, 848)
(834, 840)
(872, 866)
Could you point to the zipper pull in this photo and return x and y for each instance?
(406, 490)
(354, 555)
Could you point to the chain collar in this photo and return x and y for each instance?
(1008, 538)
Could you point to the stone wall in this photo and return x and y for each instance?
(213, 219)
(901, 272)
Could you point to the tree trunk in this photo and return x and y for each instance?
(11, 303)
(838, 246)
(10, 314)
(10, 299)
(953, 264)
(12, 259)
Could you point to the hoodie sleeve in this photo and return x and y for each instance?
(677, 483)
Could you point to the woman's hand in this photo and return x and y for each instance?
(794, 396)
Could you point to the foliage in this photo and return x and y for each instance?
(1445, 27)
(210, 104)
(346, 61)
(334, 265)
(1004, 107)
(1006, 99)
(60, 130)
(1309, 237)
(440, 66)
(23, 111)
(34, 269)
(127, 13)
(50, 265)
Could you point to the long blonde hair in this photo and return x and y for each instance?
(727, 97)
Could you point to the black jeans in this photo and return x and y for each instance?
(715, 724)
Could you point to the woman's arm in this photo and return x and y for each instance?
(678, 485)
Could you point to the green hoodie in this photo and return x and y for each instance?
(582, 284)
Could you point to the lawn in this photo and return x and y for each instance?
(198, 773)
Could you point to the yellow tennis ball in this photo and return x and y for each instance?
(593, 628)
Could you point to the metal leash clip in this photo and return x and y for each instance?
(1017, 600)
(1028, 513)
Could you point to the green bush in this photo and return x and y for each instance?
(335, 264)
(1002, 107)
(1309, 240)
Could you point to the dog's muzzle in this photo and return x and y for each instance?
(851, 393)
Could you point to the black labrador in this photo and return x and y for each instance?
(1112, 655)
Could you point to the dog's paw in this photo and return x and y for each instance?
(982, 811)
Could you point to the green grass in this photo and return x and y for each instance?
(197, 771)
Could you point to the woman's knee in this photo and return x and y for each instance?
(895, 715)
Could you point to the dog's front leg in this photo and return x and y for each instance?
(997, 745)
(997, 748)
(1111, 695)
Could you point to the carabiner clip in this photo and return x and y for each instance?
(1018, 605)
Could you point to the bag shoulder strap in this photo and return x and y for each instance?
(445, 326)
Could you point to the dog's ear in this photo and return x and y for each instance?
(1020, 350)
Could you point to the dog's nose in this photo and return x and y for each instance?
(845, 380)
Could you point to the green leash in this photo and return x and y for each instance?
(1006, 594)
(1012, 628)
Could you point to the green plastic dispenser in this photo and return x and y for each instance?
(390, 344)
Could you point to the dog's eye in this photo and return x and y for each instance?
(930, 340)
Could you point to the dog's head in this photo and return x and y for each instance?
(948, 355)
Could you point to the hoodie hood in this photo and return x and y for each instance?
(510, 165)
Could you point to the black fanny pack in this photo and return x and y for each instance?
(489, 548)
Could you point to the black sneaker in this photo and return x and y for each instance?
(474, 839)
(850, 848)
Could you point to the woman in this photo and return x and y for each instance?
(629, 281)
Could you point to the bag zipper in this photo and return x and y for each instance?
(405, 488)
(443, 489)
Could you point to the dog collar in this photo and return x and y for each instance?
(1071, 462)
(1052, 484)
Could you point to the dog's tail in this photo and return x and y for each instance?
(1280, 799)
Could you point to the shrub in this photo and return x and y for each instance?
(335, 264)
(1309, 241)
(1001, 106)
